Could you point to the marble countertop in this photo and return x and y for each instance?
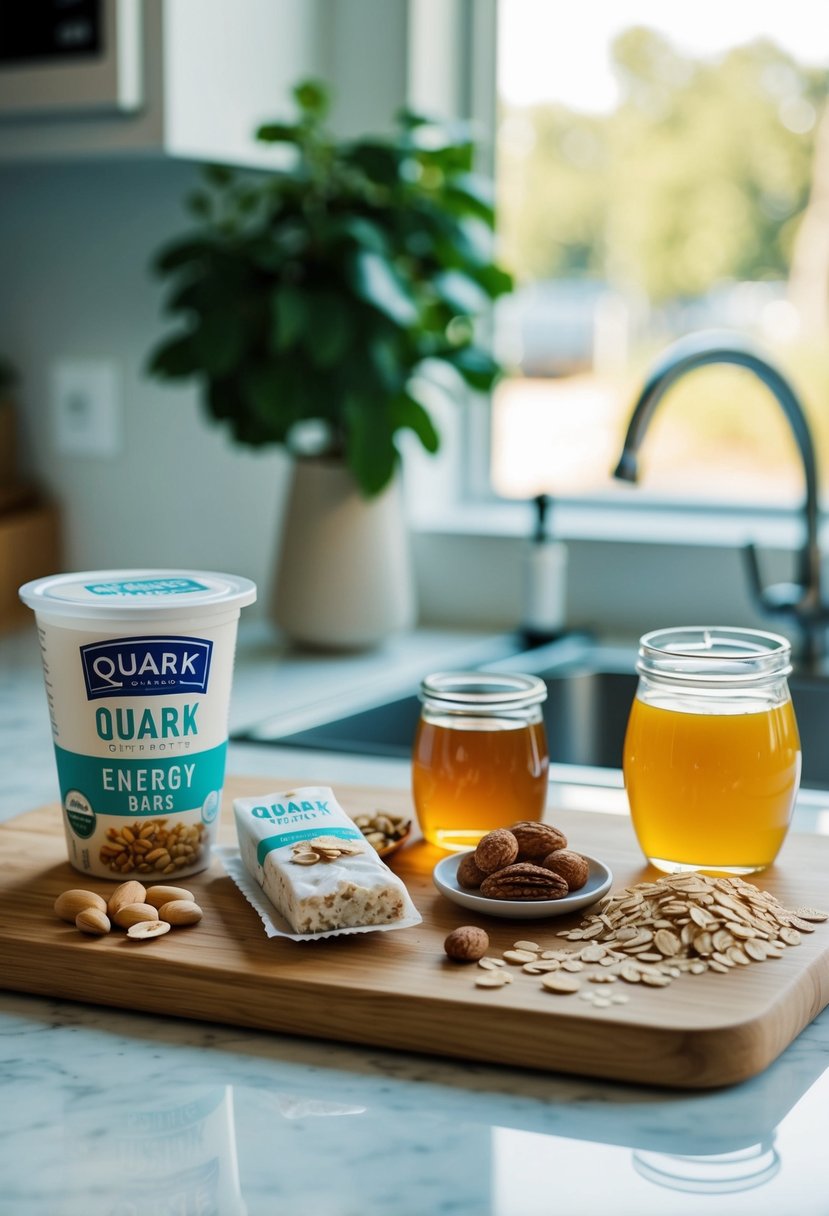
(107, 1113)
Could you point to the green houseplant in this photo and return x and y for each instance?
(323, 302)
(319, 291)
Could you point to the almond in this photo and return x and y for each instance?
(131, 892)
(145, 929)
(130, 914)
(157, 897)
(180, 912)
(94, 921)
(69, 903)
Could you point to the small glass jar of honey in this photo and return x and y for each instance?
(480, 755)
(712, 751)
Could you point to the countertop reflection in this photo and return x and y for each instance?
(106, 1113)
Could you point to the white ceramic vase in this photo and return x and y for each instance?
(344, 579)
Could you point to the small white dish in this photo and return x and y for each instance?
(445, 878)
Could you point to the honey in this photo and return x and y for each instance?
(712, 770)
(480, 755)
(471, 776)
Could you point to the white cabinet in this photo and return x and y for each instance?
(190, 78)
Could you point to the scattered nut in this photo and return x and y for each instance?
(384, 830)
(94, 921)
(466, 944)
(130, 914)
(144, 929)
(157, 897)
(180, 912)
(492, 979)
(131, 892)
(129, 908)
(495, 851)
(555, 981)
(69, 903)
(572, 867)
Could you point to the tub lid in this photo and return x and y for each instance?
(109, 594)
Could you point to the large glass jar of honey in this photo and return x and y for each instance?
(480, 755)
(712, 751)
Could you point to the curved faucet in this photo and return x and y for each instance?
(801, 601)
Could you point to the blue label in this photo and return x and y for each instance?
(147, 586)
(143, 787)
(146, 667)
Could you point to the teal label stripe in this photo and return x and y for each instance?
(112, 784)
(280, 842)
(147, 586)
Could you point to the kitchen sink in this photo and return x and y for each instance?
(590, 688)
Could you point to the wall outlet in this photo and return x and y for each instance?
(86, 407)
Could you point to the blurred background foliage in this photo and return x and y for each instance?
(710, 176)
(700, 174)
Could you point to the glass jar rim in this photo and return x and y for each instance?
(483, 691)
(714, 654)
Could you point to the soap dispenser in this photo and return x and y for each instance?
(544, 580)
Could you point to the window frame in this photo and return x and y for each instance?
(636, 560)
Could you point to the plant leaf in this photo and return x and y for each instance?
(387, 362)
(361, 231)
(270, 390)
(174, 359)
(370, 451)
(327, 329)
(290, 317)
(479, 369)
(409, 413)
(495, 281)
(278, 133)
(462, 293)
(199, 203)
(470, 195)
(218, 340)
(312, 97)
(380, 162)
(180, 253)
(218, 175)
(375, 280)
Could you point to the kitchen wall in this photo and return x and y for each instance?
(76, 239)
(75, 245)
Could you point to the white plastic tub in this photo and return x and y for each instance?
(138, 666)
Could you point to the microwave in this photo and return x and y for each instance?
(70, 57)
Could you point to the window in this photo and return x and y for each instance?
(659, 169)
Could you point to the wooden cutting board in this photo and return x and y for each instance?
(396, 989)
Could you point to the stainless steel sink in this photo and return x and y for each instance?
(590, 689)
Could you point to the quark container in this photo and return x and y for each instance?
(138, 666)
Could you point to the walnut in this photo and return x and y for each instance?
(525, 882)
(469, 876)
(536, 840)
(466, 944)
(496, 850)
(572, 867)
